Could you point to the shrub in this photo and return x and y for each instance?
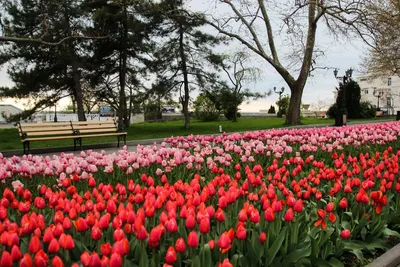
(271, 110)
(332, 111)
(367, 110)
(205, 109)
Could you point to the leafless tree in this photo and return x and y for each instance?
(267, 27)
(381, 31)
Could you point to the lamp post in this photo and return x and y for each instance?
(341, 116)
(280, 92)
(378, 95)
(55, 113)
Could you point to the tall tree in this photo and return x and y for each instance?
(45, 73)
(120, 57)
(240, 75)
(185, 57)
(301, 21)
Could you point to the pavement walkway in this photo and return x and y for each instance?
(112, 147)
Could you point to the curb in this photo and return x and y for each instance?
(35, 151)
(389, 259)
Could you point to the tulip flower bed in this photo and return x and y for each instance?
(267, 198)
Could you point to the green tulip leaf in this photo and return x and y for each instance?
(276, 246)
(298, 254)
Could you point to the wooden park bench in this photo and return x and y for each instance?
(76, 130)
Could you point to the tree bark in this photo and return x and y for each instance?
(77, 88)
(185, 102)
(293, 116)
(122, 109)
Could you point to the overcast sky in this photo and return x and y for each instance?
(338, 54)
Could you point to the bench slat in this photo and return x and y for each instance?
(51, 138)
(98, 130)
(37, 129)
(95, 127)
(45, 124)
(49, 133)
(92, 122)
(100, 135)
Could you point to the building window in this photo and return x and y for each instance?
(389, 81)
(366, 91)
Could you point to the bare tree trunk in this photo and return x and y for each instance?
(78, 94)
(73, 104)
(185, 102)
(130, 103)
(293, 116)
(122, 109)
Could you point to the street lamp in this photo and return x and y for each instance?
(55, 113)
(280, 92)
(341, 116)
(378, 95)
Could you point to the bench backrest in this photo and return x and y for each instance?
(66, 128)
(44, 129)
(92, 127)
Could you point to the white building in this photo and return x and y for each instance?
(385, 90)
(6, 110)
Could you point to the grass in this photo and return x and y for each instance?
(9, 139)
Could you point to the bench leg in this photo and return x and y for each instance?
(121, 137)
(27, 147)
(77, 141)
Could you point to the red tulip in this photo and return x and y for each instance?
(262, 237)
(289, 215)
(220, 215)
(190, 222)
(255, 216)
(224, 242)
(269, 215)
(321, 214)
(116, 260)
(332, 217)
(204, 226)
(6, 259)
(57, 262)
(118, 235)
(41, 259)
(298, 206)
(26, 261)
(343, 204)
(48, 235)
(180, 245)
(172, 226)
(96, 233)
(225, 263)
(81, 225)
(111, 207)
(211, 244)
(241, 232)
(95, 260)
(193, 239)
(34, 245)
(16, 254)
(142, 233)
(85, 258)
(330, 207)
(242, 215)
(105, 249)
(69, 243)
(54, 246)
(170, 256)
(345, 234)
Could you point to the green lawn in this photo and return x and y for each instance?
(10, 140)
